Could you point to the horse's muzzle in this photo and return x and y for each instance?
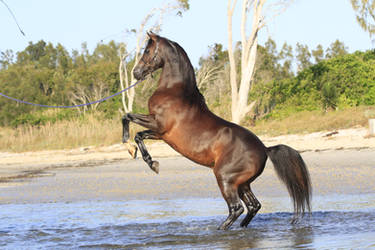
(138, 73)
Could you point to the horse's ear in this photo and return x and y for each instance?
(152, 35)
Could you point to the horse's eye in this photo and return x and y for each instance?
(147, 51)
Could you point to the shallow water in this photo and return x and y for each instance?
(338, 221)
(125, 205)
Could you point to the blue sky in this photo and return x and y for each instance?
(71, 22)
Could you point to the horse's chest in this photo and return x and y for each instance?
(170, 112)
(161, 105)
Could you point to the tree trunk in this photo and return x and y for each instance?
(240, 106)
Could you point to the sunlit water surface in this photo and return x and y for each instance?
(338, 221)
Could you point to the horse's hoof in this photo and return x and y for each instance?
(132, 150)
(155, 166)
(222, 228)
(295, 220)
(244, 224)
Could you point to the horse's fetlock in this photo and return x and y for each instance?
(258, 206)
(240, 209)
(147, 158)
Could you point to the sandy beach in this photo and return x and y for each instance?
(101, 173)
(15, 165)
(100, 198)
(332, 171)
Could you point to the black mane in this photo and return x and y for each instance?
(191, 90)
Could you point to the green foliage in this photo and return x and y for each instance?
(303, 56)
(42, 118)
(318, 53)
(184, 4)
(343, 81)
(336, 49)
(337, 79)
(330, 95)
(47, 74)
(365, 14)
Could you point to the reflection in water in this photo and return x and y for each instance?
(302, 236)
(184, 223)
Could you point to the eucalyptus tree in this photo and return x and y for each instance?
(365, 14)
(303, 57)
(241, 82)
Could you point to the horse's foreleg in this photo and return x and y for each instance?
(139, 137)
(147, 121)
(132, 149)
(125, 129)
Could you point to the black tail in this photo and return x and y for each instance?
(292, 170)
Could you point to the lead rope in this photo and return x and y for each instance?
(71, 106)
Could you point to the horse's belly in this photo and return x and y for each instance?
(192, 147)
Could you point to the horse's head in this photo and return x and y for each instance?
(151, 59)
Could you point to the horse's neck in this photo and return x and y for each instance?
(173, 73)
(181, 81)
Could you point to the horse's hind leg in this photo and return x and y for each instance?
(251, 202)
(139, 137)
(230, 193)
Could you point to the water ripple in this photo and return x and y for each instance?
(166, 224)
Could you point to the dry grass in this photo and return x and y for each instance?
(96, 131)
(313, 121)
(91, 131)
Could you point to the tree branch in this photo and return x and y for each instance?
(232, 63)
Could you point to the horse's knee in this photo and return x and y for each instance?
(138, 138)
(127, 117)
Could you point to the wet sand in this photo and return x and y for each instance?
(343, 162)
(332, 171)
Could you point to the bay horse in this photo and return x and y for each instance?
(179, 116)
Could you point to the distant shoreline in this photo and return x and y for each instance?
(345, 172)
(34, 164)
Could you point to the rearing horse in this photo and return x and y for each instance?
(179, 116)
